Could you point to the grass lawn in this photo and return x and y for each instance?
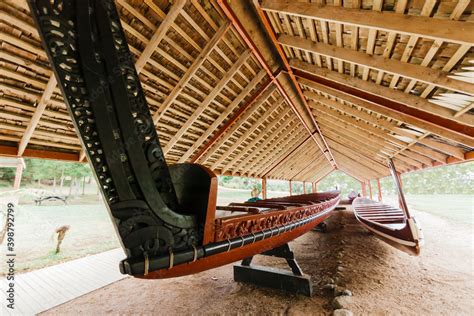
(91, 231)
(457, 208)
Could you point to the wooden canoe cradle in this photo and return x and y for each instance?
(165, 215)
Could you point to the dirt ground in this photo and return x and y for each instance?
(382, 279)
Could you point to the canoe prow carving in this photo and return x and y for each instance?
(165, 215)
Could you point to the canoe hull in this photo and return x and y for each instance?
(241, 236)
(390, 224)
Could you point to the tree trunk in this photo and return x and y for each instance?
(83, 185)
(62, 182)
(78, 186)
(71, 185)
(54, 185)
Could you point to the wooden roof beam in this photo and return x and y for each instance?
(366, 128)
(358, 154)
(270, 154)
(278, 133)
(287, 154)
(287, 170)
(434, 155)
(409, 100)
(371, 140)
(320, 141)
(40, 108)
(436, 29)
(198, 62)
(257, 100)
(388, 141)
(356, 166)
(445, 148)
(35, 153)
(273, 108)
(207, 101)
(321, 176)
(259, 168)
(308, 172)
(358, 143)
(388, 108)
(294, 157)
(159, 34)
(319, 173)
(380, 63)
(260, 133)
(250, 86)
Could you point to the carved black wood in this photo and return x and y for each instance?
(149, 202)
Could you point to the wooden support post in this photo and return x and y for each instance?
(18, 174)
(291, 188)
(315, 187)
(370, 190)
(362, 185)
(399, 175)
(264, 188)
(380, 190)
(304, 187)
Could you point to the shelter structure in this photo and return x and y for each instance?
(18, 164)
(273, 90)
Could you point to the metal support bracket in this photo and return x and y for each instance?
(280, 279)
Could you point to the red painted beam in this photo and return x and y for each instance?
(224, 6)
(440, 122)
(38, 153)
(379, 189)
(272, 35)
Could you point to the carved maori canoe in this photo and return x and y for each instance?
(392, 224)
(165, 215)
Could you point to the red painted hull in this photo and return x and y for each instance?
(311, 210)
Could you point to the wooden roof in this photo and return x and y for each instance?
(277, 89)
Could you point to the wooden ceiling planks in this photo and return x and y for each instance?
(216, 103)
(380, 55)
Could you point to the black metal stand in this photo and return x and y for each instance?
(321, 228)
(293, 282)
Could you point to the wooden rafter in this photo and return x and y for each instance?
(159, 34)
(260, 133)
(256, 103)
(271, 153)
(274, 106)
(43, 102)
(381, 123)
(405, 98)
(319, 139)
(198, 62)
(393, 113)
(204, 104)
(260, 149)
(247, 90)
(436, 29)
(411, 71)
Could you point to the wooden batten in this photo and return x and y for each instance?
(319, 86)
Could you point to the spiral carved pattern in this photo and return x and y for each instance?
(141, 228)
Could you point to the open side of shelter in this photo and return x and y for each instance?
(164, 95)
